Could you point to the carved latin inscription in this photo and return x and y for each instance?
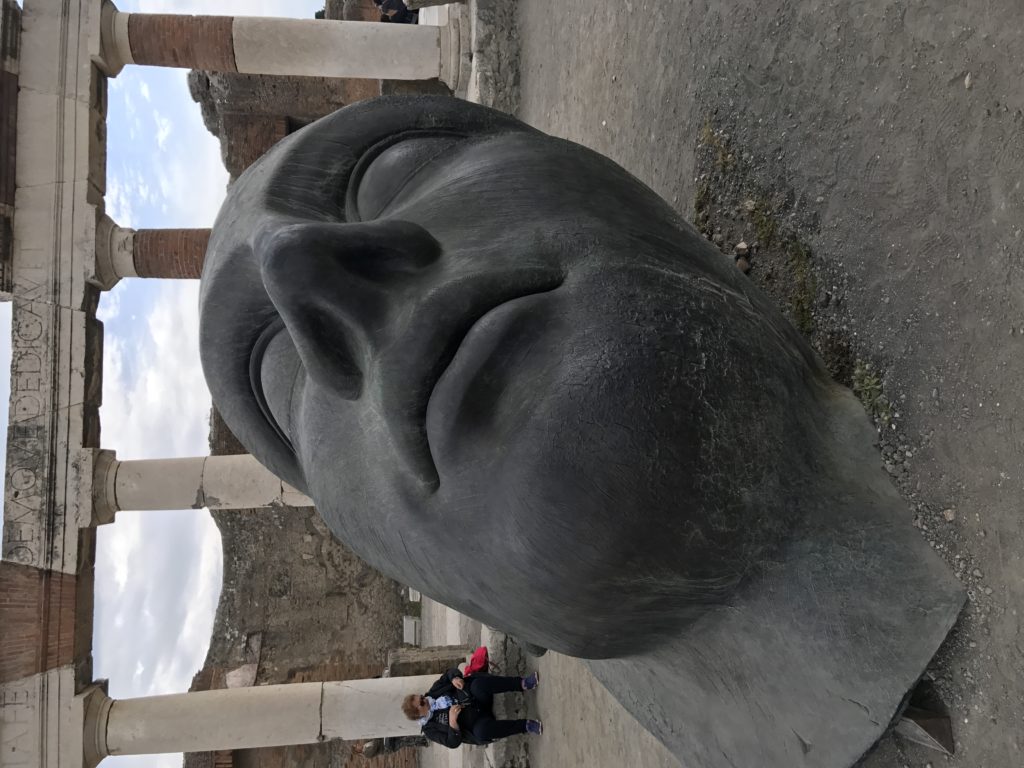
(28, 525)
(19, 704)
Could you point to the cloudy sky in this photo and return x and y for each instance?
(158, 574)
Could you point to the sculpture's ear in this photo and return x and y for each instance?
(333, 283)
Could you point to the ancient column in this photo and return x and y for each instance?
(160, 253)
(214, 482)
(244, 718)
(169, 253)
(271, 46)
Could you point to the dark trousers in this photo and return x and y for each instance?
(482, 688)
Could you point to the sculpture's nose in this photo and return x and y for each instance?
(334, 285)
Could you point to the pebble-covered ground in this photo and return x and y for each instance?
(864, 161)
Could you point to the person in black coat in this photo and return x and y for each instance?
(458, 709)
(396, 12)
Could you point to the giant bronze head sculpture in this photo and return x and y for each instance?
(512, 377)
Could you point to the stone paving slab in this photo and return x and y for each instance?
(585, 726)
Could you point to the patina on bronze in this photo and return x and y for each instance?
(515, 379)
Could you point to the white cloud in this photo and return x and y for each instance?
(187, 175)
(159, 406)
(202, 173)
(163, 179)
(119, 201)
(138, 186)
(110, 305)
(163, 129)
(143, 89)
(129, 106)
(158, 574)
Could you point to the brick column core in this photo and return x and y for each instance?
(170, 253)
(275, 46)
(174, 40)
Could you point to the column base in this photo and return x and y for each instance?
(456, 50)
(104, 493)
(114, 253)
(110, 48)
(90, 713)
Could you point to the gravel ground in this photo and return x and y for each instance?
(871, 157)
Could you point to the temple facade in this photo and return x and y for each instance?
(58, 252)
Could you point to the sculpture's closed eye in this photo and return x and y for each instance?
(384, 171)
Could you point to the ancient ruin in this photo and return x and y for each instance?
(513, 378)
(59, 251)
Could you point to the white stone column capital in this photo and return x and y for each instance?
(104, 493)
(115, 50)
(115, 249)
(90, 472)
(91, 712)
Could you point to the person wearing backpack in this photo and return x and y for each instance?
(459, 710)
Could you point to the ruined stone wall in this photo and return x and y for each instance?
(276, 95)
(295, 606)
(286, 577)
(251, 113)
(245, 138)
(312, 601)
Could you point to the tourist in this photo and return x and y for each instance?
(396, 12)
(457, 709)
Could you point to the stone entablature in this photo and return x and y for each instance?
(56, 341)
(55, 383)
(10, 35)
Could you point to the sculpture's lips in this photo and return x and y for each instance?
(481, 353)
(442, 327)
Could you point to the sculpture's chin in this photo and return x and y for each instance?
(807, 664)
